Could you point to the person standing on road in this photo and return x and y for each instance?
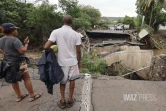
(13, 51)
(69, 56)
(123, 27)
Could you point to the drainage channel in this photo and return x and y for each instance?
(86, 94)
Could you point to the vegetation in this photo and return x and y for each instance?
(37, 22)
(92, 64)
(130, 21)
(153, 12)
(138, 22)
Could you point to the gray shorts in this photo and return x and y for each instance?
(70, 73)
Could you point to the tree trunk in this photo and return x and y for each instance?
(151, 15)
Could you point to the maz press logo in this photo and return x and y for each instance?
(139, 97)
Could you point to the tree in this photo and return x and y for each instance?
(119, 21)
(152, 8)
(44, 19)
(37, 22)
(138, 22)
(14, 12)
(83, 16)
(93, 13)
(145, 4)
(83, 21)
(129, 20)
(70, 7)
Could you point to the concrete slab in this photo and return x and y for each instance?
(133, 60)
(114, 48)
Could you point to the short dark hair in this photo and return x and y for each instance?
(7, 31)
(67, 19)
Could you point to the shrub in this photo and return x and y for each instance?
(92, 64)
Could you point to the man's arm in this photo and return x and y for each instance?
(78, 50)
(48, 45)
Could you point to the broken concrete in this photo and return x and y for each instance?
(115, 48)
(133, 60)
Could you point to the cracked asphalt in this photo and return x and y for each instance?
(107, 94)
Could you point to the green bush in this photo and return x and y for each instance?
(92, 64)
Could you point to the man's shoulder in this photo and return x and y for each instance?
(55, 30)
(74, 32)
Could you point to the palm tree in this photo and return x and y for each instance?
(145, 4)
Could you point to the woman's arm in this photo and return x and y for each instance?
(22, 50)
(1, 52)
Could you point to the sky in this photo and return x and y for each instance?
(109, 8)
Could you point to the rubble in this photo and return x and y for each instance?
(116, 69)
(158, 68)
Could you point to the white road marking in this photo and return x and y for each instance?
(86, 94)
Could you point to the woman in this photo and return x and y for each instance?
(13, 50)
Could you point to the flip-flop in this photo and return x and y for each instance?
(22, 97)
(62, 105)
(70, 104)
(33, 98)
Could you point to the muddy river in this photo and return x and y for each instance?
(159, 52)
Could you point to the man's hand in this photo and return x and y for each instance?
(48, 45)
(79, 65)
(78, 50)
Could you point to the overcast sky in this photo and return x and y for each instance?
(110, 8)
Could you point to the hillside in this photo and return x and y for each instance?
(112, 18)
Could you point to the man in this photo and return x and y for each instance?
(123, 27)
(68, 42)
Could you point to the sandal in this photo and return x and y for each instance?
(61, 104)
(22, 97)
(33, 98)
(70, 103)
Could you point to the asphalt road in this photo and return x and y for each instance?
(92, 94)
(46, 103)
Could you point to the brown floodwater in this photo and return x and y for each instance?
(159, 52)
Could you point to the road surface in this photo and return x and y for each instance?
(101, 93)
